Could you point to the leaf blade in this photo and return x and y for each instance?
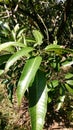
(27, 75)
(70, 90)
(8, 44)
(58, 49)
(38, 37)
(38, 101)
(17, 55)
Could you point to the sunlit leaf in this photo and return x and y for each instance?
(6, 26)
(38, 37)
(16, 28)
(27, 75)
(58, 49)
(69, 88)
(61, 100)
(1, 72)
(8, 44)
(67, 63)
(38, 101)
(30, 40)
(17, 55)
(53, 83)
(20, 33)
(13, 35)
(10, 49)
(68, 76)
(70, 82)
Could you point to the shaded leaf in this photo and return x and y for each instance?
(27, 76)
(4, 58)
(38, 101)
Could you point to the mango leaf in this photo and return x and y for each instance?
(20, 33)
(68, 76)
(38, 101)
(1, 72)
(10, 49)
(6, 26)
(61, 101)
(69, 88)
(70, 82)
(38, 37)
(14, 32)
(27, 76)
(16, 28)
(52, 85)
(67, 63)
(57, 49)
(13, 35)
(8, 44)
(4, 58)
(17, 55)
(30, 40)
(61, 98)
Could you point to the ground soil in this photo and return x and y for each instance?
(14, 118)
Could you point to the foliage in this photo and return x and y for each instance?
(35, 45)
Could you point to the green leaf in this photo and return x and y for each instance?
(57, 49)
(53, 84)
(16, 28)
(61, 100)
(1, 72)
(4, 58)
(38, 101)
(10, 49)
(6, 26)
(38, 37)
(13, 35)
(70, 82)
(30, 40)
(67, 63)
(8, 44)
(68, 76)
(69, 88)
(20, 33)
(14, 32)
(17, 55)
(27, 76)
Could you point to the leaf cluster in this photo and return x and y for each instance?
(34, 53)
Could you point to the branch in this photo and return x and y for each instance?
(65, 16)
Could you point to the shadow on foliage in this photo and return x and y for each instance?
(3, 121)
(59, 117)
